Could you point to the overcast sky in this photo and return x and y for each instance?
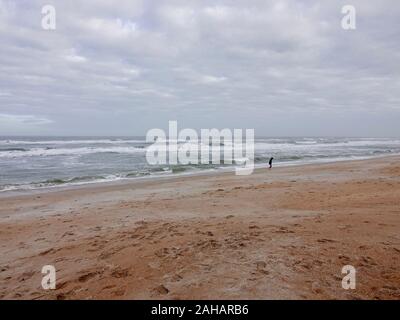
(122, 67)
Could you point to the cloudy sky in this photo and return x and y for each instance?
(122, 67)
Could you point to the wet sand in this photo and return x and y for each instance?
(283, 233)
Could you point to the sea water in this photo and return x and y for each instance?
(38, 162)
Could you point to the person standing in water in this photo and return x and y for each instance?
(270, 162)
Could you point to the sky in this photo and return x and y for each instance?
(282, 68)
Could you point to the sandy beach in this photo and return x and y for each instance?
(283, 233)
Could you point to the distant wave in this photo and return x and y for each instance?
(13, 149)
(308, 145)
(263, 147)
(45, 152)
(61, 142)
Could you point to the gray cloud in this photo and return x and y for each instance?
(122, 67)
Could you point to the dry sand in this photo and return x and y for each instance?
(283, 233)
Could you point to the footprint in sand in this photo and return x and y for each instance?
(111, 286)
(344, 258)
(61, 296)
(119, 292)
(261, 265)
(26, 275)
(68, 233)
(120, 273)
(283, 230)
(324, 240)
(4, 268)
(161, 289)
(175, 278)
(87, 276)
(43, 253)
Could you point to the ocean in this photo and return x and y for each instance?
(43, 162)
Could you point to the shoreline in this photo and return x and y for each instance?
(283, 233)
(208, 172)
